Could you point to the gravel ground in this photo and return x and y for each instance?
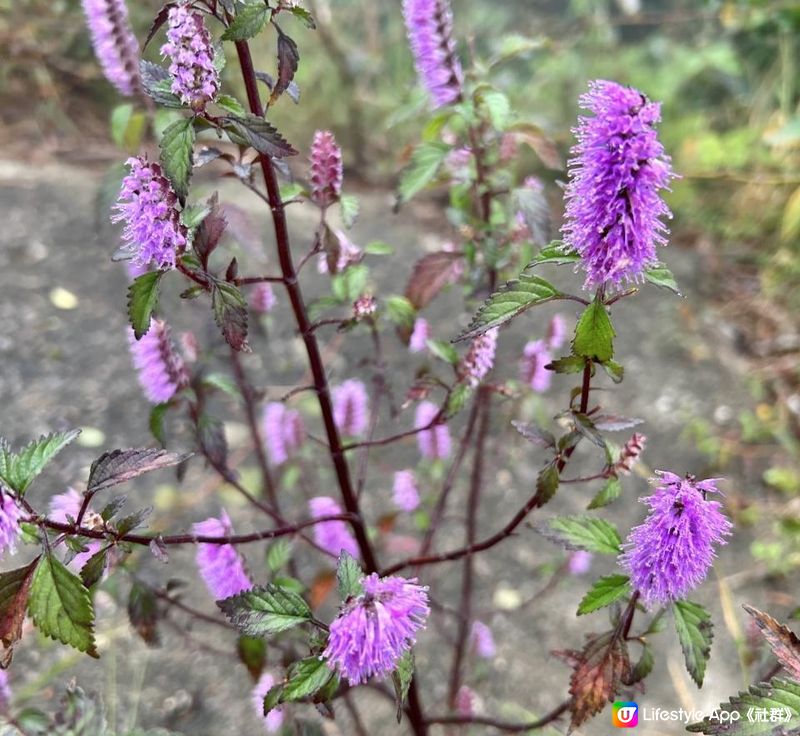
(65, 367)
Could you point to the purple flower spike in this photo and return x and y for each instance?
(374, 630)
(284, 432)
(67, 505)
(419, 336)
(556, 332)
(350, 407)
(482, 641)
(220, 565)
(404, 491)
(262, 298)
(479, 358)
(194, 77)
(114, 44)
(433, 443)
(532, 371)
(430, 34)
(153, 231)
(5, 692)
(332, 536)
(10, 514)
(161, 370)
(614, 213)
(669, 555)
(579, 562)
(326, 169)
(274, 719)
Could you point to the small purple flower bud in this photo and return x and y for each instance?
(614, 213)
(220, 565)
(482, 641)
(161, 370)
(532, 371)
(114, 44)
(419, 336)
(194, 77)
(479, 358)
(350, 407)
(153, 231)
(375, 629)
(670, 553)
(10, 514)
(333, 536)
(284, 432)
(262, 298)
(405, 493)
(274, 719)
(579, 562)
(326, 169)
(434, 443)
(430, 34)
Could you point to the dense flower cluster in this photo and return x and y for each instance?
(479, 358)
(430, 33)
(195, 79)
(434, 442)
(160, 368)
(284, 431)
(220, 565)
(113, 42)
(326, 169)
(375, 629)
(350, 407)
(405, 493)
(669, 554)
(333, 536)
(10, 514)
(153, 231)
(614, 212)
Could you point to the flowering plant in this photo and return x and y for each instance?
(377, 632)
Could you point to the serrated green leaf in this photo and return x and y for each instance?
(643, 667)
(443, 350)
(220, 382)
(252, 653)
(176, 154)
(546, 484)
(304, 16)
(604, 592)
(121, 466)
(254, 131)
(594, 334)
(157, 416)
(661, 276)
(157, 83)
(695, 632)
(142, 301)
(348, 208)
(614, 370)
(401, 679)
(94, 567)
(266, 610)
(249, 21)
(278, 554)
(422, 170)
(348, 577)
(230, 313)
(306, 677)
(508, 302)
(583, 532)
(61, 607)
(737, 717)
(554, 253)
(458, 399)
(567, 364)
(18, 470)
(497, 106)
(231, 105)
(400, 311)
(610, 492)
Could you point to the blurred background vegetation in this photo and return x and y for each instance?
(725, 71)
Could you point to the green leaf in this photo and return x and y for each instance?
(266, 610)
(546, 484)
(230, 313)
(157, 415)
(737, 716)
(304, 16)
(254, 131)
(142, 301)
(511, 300)
(18, 470)
(609, 492)
(401, 679)
(458, 398)
(422, 170)
(143, 612)
(643, 667)
(15, 588)
(567, 364)
(582, 532)
(604, 592)
(614, 370)
(594, 334)
(231, 105)
(695, 632)
(157, 83)
(176, 154)
(497, 106)
(378, 248)
(249, 21)
(554, 253)
(306, 677)
(348, 208)
(661, 276)
(348, 577)
(60, 606)
(400, 311)
(253, 654)
(94, 567)
(278, 554)
(586, 427)
(443, 350)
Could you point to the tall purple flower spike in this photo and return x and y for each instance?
(535, 356)
(332, 536)
(429, 24)
(195, 79)
(350, 407)
(220, 565)
(482, 640)
(479, 358)
(114, 44)
(670, 554)
(375, 629)
(153, 231)
(284, 431)
(326, 169)
(405, 493)
(10, 514)
(161, 370)
(614, 215)
(433, 443)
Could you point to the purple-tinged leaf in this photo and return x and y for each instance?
(210, 231)
(230, 314)
(158, 21)
(288, 60)
(120, 466)
(615, 423)
(784, 643)
(431, 274)
(158, 549)
(535, 434)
